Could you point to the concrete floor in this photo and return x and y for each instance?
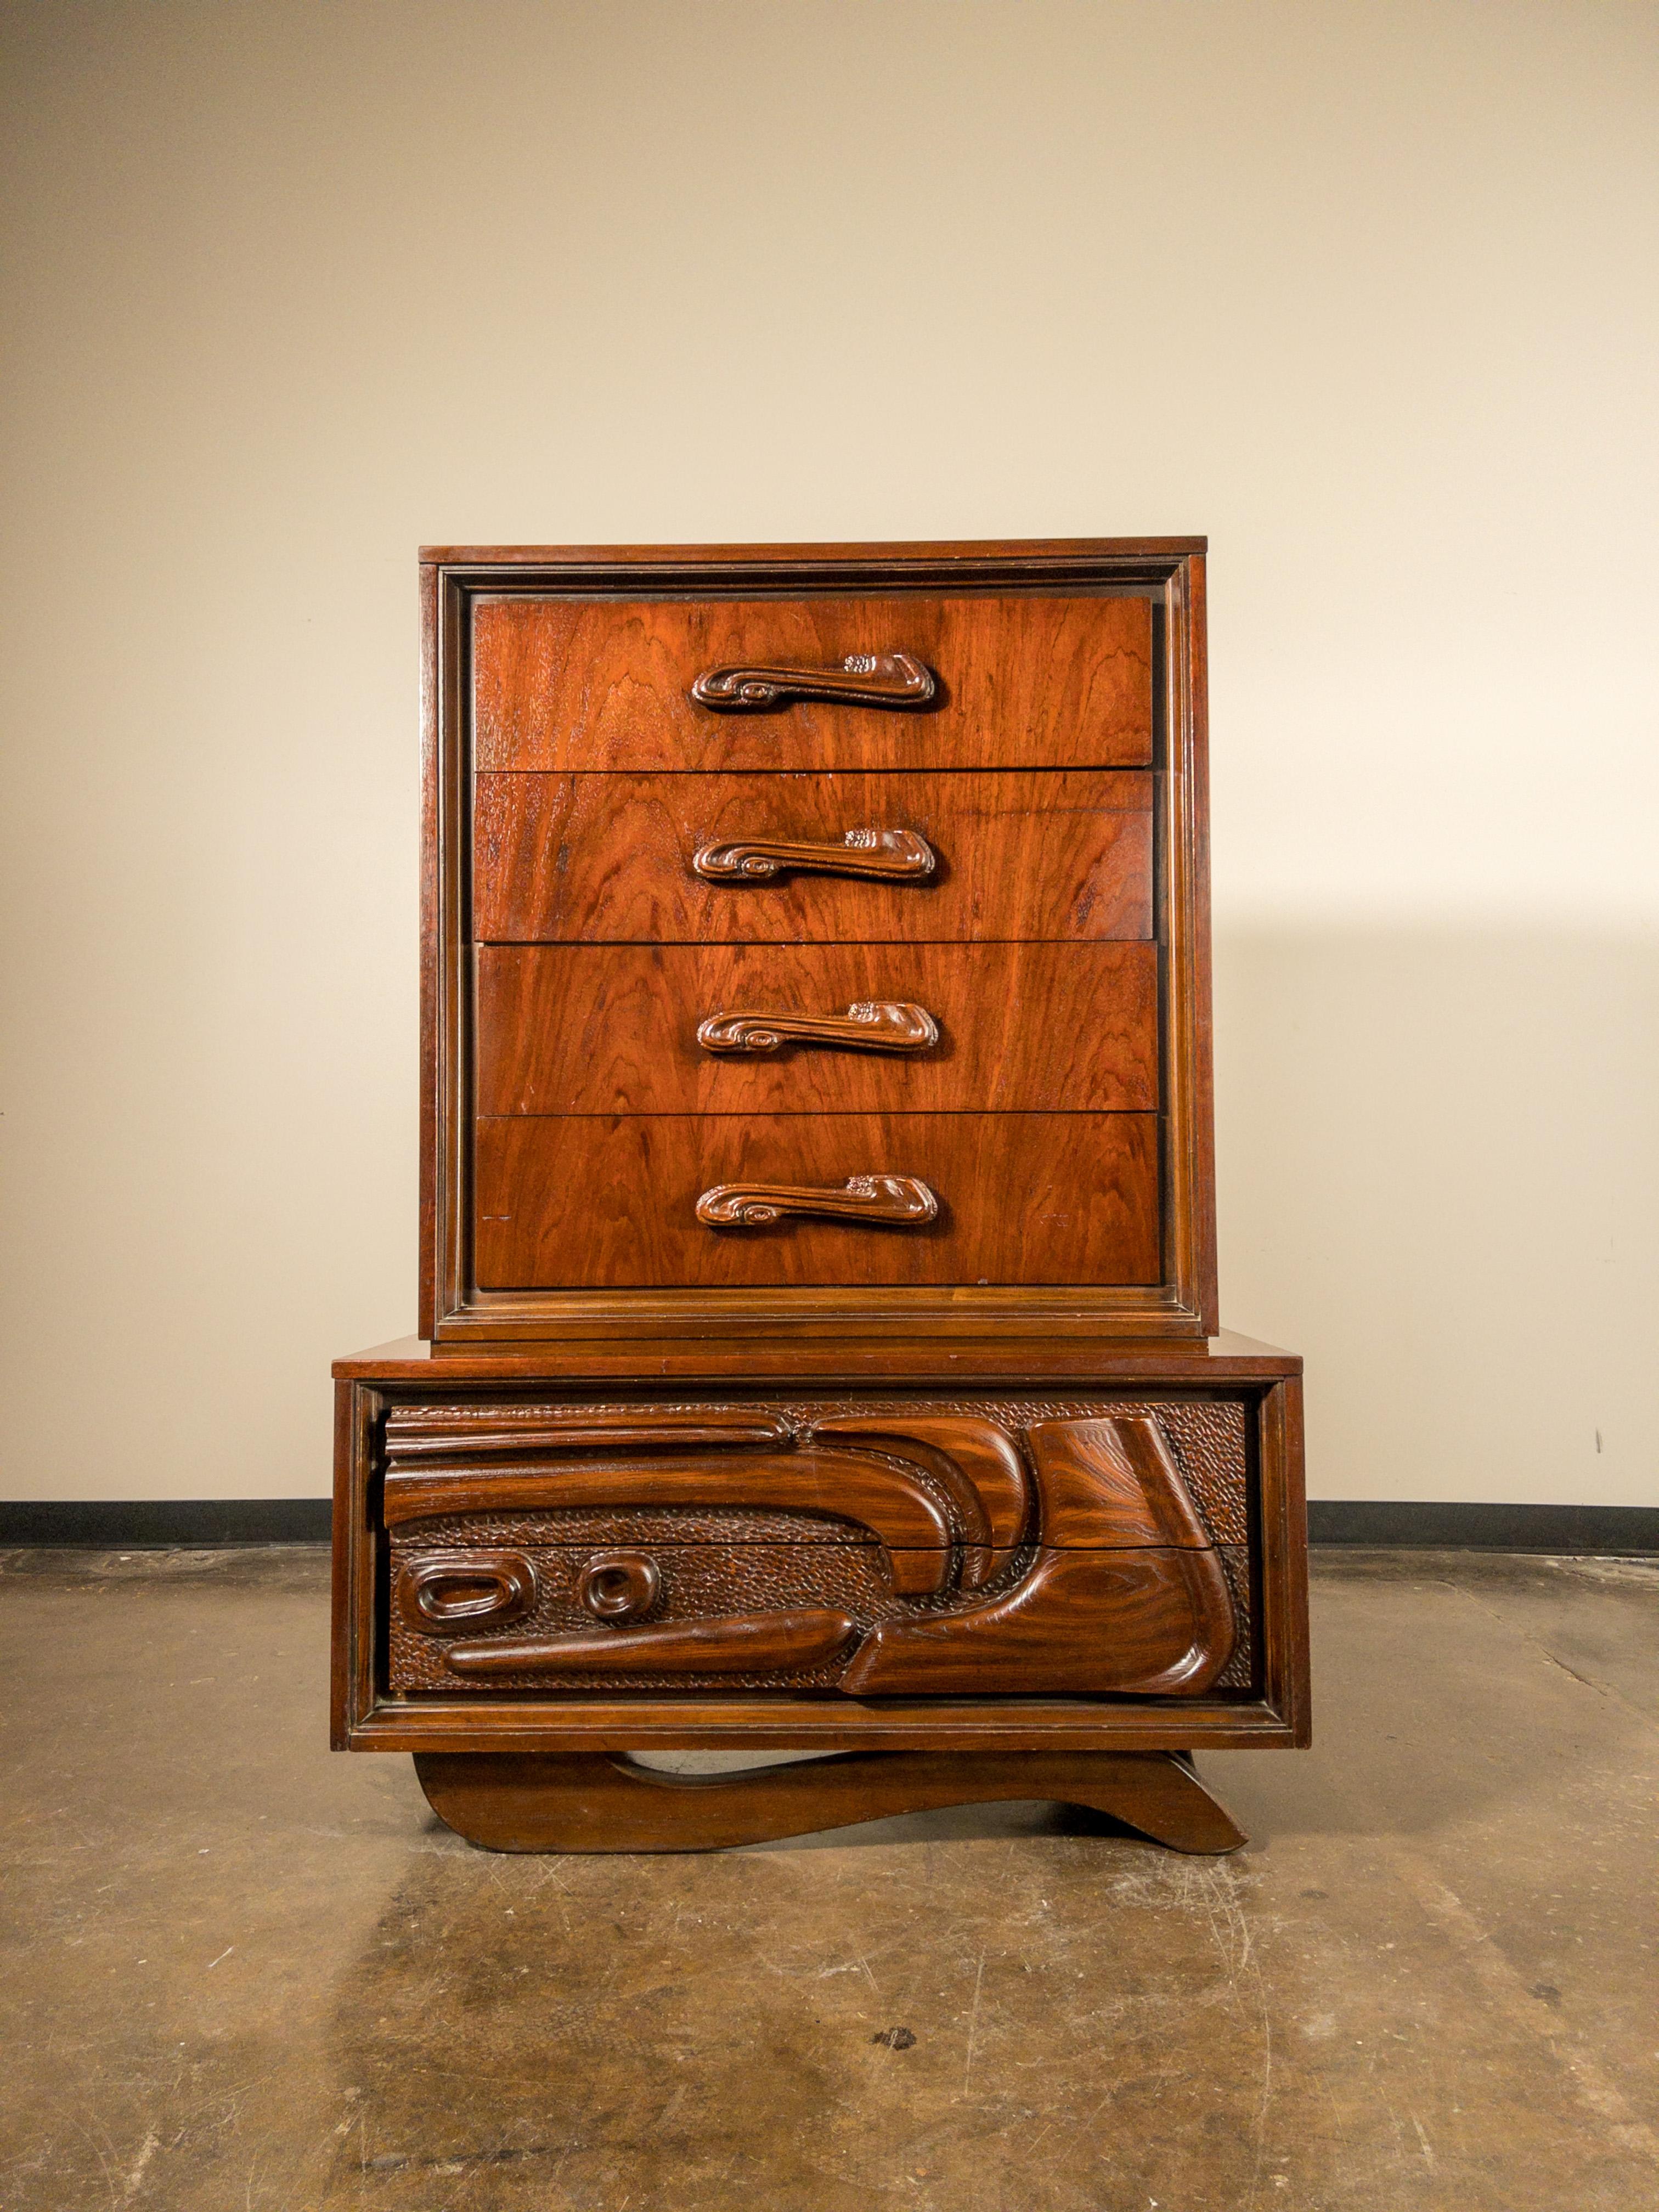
(238, 1972)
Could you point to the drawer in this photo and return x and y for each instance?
(867, 1547)
(818, 1029)
(1061, 680)
(609, 1202)
(815, 858)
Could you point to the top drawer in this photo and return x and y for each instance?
(1056, 681)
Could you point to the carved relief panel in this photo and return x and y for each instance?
(896, 1547)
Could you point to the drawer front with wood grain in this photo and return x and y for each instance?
(818, 1029)
(734, 1200)
(913, 681)
(811, 859)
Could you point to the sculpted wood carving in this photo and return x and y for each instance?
(869, 1025)
(901, 856)
(1069, 1558)
(863, 679)
(890, 1200)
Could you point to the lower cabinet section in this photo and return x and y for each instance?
(525, 1560)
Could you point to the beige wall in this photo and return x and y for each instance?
(1366, 291)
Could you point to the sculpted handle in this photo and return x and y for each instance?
(863, 679)
(871, 1025)
(899, 1201)
(893, 855)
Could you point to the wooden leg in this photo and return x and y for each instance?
(607, 1802)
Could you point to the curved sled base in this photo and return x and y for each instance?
(607, 1802)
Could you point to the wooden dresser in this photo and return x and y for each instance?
(818, 1313)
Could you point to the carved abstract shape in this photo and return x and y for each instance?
(1150, 1623)
(839, 1485)
(887, 1200)
(977, 1463)
(863, 679)
(870, 1025)
(484, 1431)
(438, 1590)
(737, 1644)
(619, 1585)
(605, 1801)
(890, 855)
(1112, 1484)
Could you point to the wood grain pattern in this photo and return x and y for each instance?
(605, 1801)
(418, 1432)
(841, 1486)
(1111, 1484)
(1145, 1622)
(612, 1029)
(736, 1643)
(1023, 1197)
(609, 859)
(1064, 679)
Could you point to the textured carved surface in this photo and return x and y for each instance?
(1124, 1594)
(868, 1025)
(887, 1200)
(890, 1499)
(704, 1577)
(599, 1801)
(863, 679)
(896, 856)
(1206, 1435)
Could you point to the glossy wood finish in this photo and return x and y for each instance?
(1023, 1197)
(737, 1644)
(612, 859)
(875, 1201)
(566, 683)
(893, 680)
(600, 1801)
(1150, 1623)
(414, 1433)
(877, 856)
(613, 1029)
(838, 1485)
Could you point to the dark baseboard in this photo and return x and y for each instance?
(162, 1523)
(1607, 1530)
(110, 1525)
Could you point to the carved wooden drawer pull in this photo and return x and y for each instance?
(863, 679)
(899, 1200)
(871, 1025)
(895, 856)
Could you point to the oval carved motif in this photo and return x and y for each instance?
(446, 1590)
(619, 1585)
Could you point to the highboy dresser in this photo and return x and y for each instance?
(818, 1340)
